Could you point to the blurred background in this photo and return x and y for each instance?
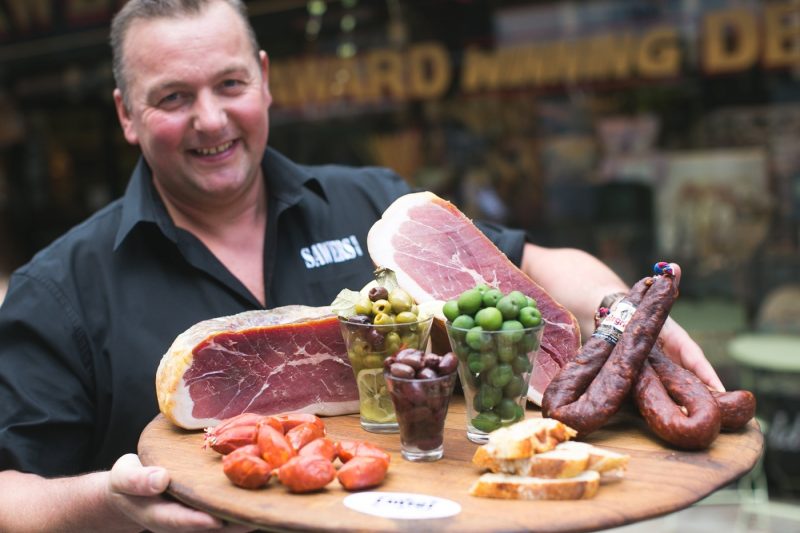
(638, 131)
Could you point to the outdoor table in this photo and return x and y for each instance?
(658, 480)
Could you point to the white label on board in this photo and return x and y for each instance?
(402, 505)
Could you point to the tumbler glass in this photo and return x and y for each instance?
(495, 371)
(367, 346)
(421, 407)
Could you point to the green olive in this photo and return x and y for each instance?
(475, 338)
(530, 317)
(506, 351)
(489, 360)
(391, 343)
(512, 330)
(450, 310)
(464, 322)
(514, 388)
(405, 317)
(521, 365)
(509, 307)
(470, 301)
(489, 396)
(489, 318)
(491, 297)
(474, 363)
(507, 409)
(520, 299)
(486, 422)
(382, 306)
(500, 375)
(400, 300)
(383, 319)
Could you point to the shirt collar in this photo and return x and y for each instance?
(141, 203)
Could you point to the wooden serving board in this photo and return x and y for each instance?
(658, 480)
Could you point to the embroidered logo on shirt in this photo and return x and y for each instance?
(327, 252)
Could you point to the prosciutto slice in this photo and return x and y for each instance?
(437, 253)
(292, 358)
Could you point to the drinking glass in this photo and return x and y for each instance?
(421, 407)
(495, 371)
(367, 346)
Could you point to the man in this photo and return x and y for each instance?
(210, 225)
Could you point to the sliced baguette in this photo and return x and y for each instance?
(504, 486)
(610, 464)
(553, 464)
(522, 440)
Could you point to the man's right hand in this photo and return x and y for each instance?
(137, 490)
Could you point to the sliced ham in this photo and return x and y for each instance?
(437, 253)
(291, 358)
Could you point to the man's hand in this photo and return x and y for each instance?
(136, 491)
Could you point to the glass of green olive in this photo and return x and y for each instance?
(496, 339)
(380, 329)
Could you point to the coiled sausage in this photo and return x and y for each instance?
(662, 392)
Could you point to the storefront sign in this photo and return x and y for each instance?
(725, 41)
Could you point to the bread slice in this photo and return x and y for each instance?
(553, 464)
(508, 487)
(610, 465)
(522, 440)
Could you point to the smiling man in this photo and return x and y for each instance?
(213, 223)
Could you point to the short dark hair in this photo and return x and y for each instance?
(153, 9)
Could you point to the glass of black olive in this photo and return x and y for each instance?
(420, 386)
(385, 323)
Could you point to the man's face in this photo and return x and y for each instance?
(198, 104)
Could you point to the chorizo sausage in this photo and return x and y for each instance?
(736, 407)
(302, 434)
(362, 471)
(227, 440)
(605, 393)
(244, 468)
(568, 385)
(662, 392)
(322, 447)
(273, 445)
(306, 473)
(346, 450)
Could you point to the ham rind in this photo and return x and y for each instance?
(291, 358)
(437, 253)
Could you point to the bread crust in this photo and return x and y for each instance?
(508, 487)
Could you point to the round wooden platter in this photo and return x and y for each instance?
(659, 480)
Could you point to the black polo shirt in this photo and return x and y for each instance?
(86, 322)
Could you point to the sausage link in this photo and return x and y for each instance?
(737, 408)
(606, 392)
(302, 434)
(662, 392)
(575, 377)
(361, 472)
(306, 473)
